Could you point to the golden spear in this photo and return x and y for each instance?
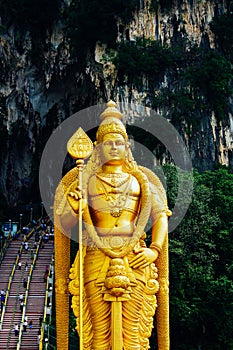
(80, 147)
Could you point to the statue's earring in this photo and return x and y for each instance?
(127, 155)
(128, 152)
(97, 159)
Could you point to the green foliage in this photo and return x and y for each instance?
(180, 103)
(221, 184)
(212, 75)
(89, 21)
(142, 57)
(199, 80)
(205, 85)
(222, 27)
(201, 273)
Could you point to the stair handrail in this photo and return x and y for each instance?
(9, 285)
(26, 295)
(49, 279)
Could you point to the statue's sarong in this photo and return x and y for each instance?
(138, 303)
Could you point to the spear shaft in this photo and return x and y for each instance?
(80, 147)
(79, 164)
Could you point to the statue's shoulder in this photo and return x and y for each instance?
(61, 205)
(68, 179)
(156, 186)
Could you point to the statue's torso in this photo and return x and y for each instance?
(114, 203)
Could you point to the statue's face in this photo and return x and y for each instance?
(113, 148)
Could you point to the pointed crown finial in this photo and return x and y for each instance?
(111, 111)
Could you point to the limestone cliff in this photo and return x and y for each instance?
(44, 81)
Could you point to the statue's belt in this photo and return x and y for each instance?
(113, 242)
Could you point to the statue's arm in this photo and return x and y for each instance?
(159, 216)
(159, 231)
(159, 211)
(68, 208)
(68, 218)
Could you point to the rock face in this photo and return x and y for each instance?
(36, 98)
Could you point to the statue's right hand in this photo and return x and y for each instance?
(74, 197)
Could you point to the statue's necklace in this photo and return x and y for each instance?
(116, 205)
(113, 179)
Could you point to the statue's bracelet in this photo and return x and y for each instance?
(156, 246)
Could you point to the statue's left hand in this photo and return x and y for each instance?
(143, 257)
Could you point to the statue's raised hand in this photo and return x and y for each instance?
(75, 195)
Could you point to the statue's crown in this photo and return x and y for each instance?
(111, 122)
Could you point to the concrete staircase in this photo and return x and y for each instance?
(36, 296)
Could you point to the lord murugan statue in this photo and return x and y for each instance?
(117, 283)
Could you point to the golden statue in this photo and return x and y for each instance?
(123, 283)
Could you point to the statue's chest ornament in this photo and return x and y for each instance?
(115, 180)
(117, 196)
